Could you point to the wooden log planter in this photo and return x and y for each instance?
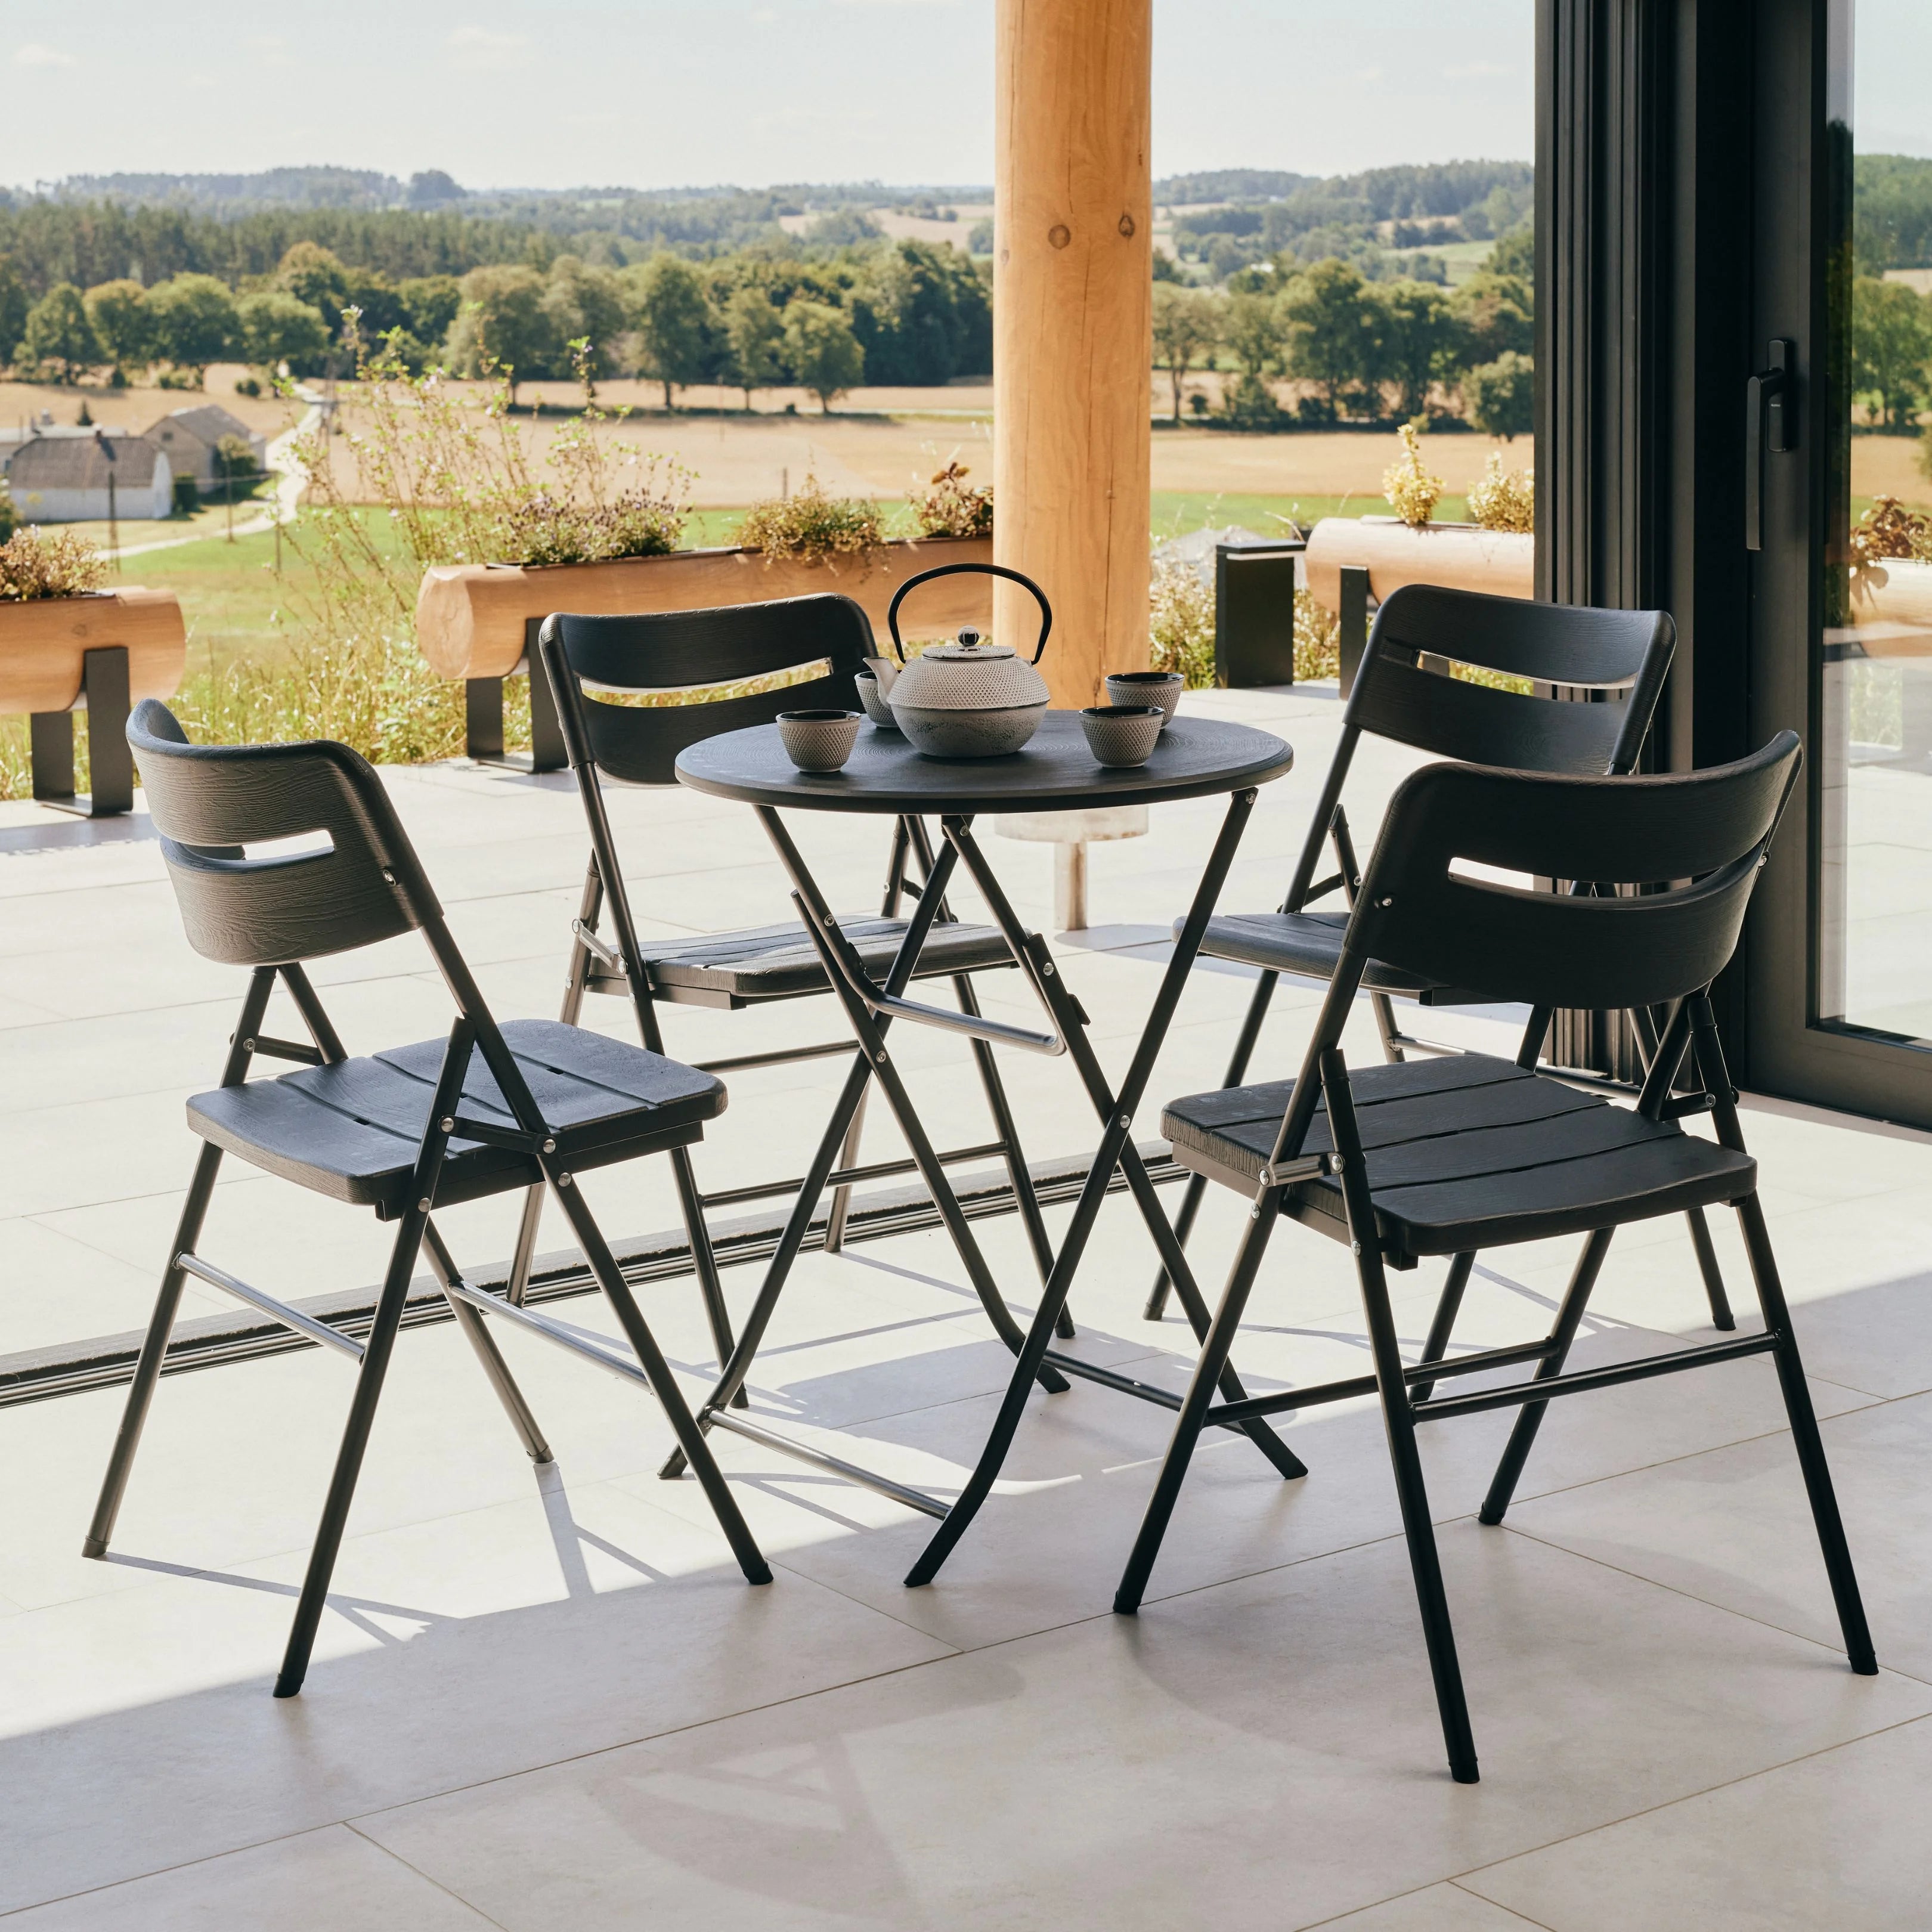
(479, 622)
(1352, 560)
(103, 651)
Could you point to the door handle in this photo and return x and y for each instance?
(1771, 427)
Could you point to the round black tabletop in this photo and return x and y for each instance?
(1195, 758)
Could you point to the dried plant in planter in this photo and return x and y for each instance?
(36, 563)
(949, 506)
(1411, 490)
(1889, 529)
(1504, 499)
(811, 527)
(453, 483)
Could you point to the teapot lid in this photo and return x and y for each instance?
(967, 648)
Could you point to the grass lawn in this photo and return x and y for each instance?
(1173, 513)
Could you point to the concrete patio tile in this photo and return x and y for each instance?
(54, 1287)
(1436, 1908)
(1281, 1729)
(141, 1734)
(1834, 1839)
(1731, 1526)
(331, 1880)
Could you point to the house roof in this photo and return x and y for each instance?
(78, 463)
(208, 422)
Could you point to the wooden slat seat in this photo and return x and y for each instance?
(1467, 1153)
(1308, 944)
(352, 1130)
(779, 962)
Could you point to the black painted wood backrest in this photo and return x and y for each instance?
(211, 803)
(1699, 836)
(1695, 839)
(1624, 655)
(677, 650)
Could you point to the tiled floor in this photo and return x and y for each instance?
(544, 1699)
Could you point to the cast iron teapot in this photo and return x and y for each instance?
(967, 699)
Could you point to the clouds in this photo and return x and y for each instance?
(37, 53)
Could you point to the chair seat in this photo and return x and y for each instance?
(1309, 944)
(1465, 1152)
(778, 962)
(351, 1131)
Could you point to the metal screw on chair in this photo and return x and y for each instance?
(422, 1206)
(563, 1181)
(447, 1124)
(550, 1147)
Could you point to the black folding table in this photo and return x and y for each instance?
(1195, 758)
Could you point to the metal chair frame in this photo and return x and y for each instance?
(1401, 690)
(636, 745)
(1661, 949)
(270, 914)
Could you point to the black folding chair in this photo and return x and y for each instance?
(1403, 692)
(685, 651)
(1444, 1156)
(491, 1110)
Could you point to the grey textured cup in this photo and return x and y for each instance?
(1148, 687)
(877, 709)
(818, 741)
(1122, 734)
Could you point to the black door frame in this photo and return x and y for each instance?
(1681, 174)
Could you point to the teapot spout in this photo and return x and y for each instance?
(887, 672)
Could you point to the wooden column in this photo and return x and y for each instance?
(1072, 331)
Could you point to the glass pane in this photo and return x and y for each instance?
(1873, 730)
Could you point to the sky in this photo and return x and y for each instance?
(668, 93)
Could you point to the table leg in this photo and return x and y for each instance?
(1115, 1150)
(865, 1060)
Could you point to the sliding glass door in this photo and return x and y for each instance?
(1838, 515)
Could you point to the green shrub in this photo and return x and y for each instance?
(812, 527)
(187, 496)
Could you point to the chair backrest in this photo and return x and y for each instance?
(1403, 691)
(211, 803)
(678, 650)
(1696, 839)
(1693, 840)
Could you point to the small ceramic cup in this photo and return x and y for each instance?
(1147, 687)
(877, 709)
(1122, 734)
(818, 741)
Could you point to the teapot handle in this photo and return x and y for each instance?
(976, 569)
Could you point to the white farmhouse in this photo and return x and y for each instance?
(66, 479)
(189, 439)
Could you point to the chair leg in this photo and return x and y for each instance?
(1721, 1316)
(1197, 1185)
(476, 1332)
(154, 1351)
(1529, 1417)
(1810, 1445)
(376, 1353)
(842, 1195)
(1443, 1325)
(1398, 1422)
(1202, 1390)
(525, 1251)
(657, 1371)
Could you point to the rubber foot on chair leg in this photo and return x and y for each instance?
(284, 1688)
(92, 1546)
(1490, 1515)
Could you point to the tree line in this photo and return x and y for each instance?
(1364, 350)
(906, 313)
